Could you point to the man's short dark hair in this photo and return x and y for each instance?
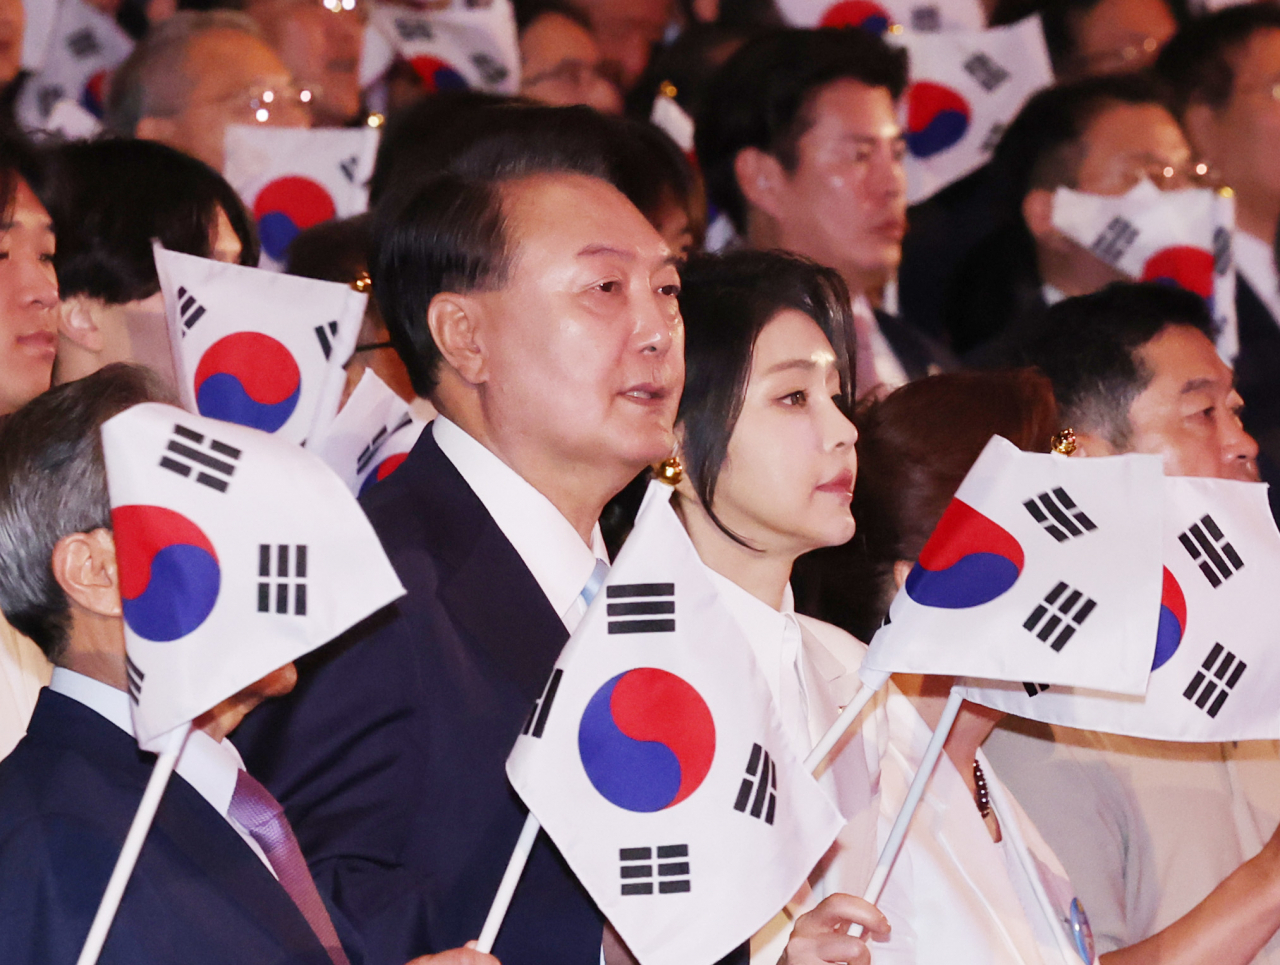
(1197, 62)
(448, 233)
(763, 95)
(53, 482)
(1089, 348)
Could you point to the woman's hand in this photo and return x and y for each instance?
(457, 956)
(822, 936)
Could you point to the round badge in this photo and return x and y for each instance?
(1081, 933)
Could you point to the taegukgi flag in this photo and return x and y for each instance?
(1041, 568)
(369, 431)
(292, 178)
(456, 44)
(966, 87)
(657, 764)
(1183, 237)
(256, 347)
(1215, 673)
(237, 551)
(881, 16)
(84, 46)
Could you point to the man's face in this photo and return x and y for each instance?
(584, 346)
(232, 72)
(28, 302)
(1189, 413)
(1125, 143)
(321, 48)
(560, 65)
(627, 31)
(13, 20)
(845, 204)
(1117, 36)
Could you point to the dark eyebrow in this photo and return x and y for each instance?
(593, 251)
(801, 364)
(1197, 385)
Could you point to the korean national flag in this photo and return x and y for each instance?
(1042, 568)
(966, 87)
(456, 44)
(1215, 673)
(370, 436)
(1181, 237)
(84, 46)
(885, 16)
(657, 763)
(237, 553)
(258, 348)
(294, 178)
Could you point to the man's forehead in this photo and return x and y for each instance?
(589, 213)
(1183, 360)
(856, 108)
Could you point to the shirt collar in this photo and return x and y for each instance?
(1256, 261)
(547, 542)
(762, 625)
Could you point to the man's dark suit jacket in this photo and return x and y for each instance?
(198, 896)
(1258, 381)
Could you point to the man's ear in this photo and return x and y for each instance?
(1037, 212)
(1092, 444)
(84, 564)
(453, 320)
(761, 179)
(77, 325)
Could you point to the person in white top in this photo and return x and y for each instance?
(769, 464)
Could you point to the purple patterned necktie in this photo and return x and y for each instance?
(255, 810)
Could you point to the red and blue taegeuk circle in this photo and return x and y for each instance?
(969, 560)
(250, 379)
(169, 572)
(646, 740)
(1186, 266)
(1173, 621)
(382, 471)
(438, 75)
(93, 96)
(863, 14)
(287, 206)
(937, 118)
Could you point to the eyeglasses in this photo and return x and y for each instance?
(578, 73)
(261, 104)
(1130, 56)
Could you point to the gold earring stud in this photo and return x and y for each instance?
(1064, 442)
(670, 470)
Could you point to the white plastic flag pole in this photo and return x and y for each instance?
(898, 833)
(507, 887)
(133, 841)
(845, 720)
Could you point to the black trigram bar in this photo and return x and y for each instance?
(1217, 559)
(349, 168)
(985, 71)
(637, 870)
(183, 457)
(190, 311)
(136, 677)
(645, 600)
(1114, 240)
(537, 721)
(760, 786)
(1212, 685)
(1065, 608)
(1059, 515)
(280, 554)
(326, 334)
(369, 452)
(1034, 689)
(84, 43)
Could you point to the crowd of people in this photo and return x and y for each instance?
(573, 298)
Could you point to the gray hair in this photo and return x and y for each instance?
(53, 482)
(153, 81)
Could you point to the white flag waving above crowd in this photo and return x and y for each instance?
(355, 445)
(84, 46)
(238, 552)
(1041, 562)
(1215, 673)
(879, 16)
(655, 760)
(258, 348)
(455, 46)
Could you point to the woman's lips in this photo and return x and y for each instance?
(842, 485)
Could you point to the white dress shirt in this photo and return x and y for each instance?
(1256, 260)
(546, 542)
(209, 766)
(23, 671)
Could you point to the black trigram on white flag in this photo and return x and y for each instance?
(213, 462)
(644, 607)
(537, 721)
(985, 71)
(1034, 689)
(84, 43)
(1062, 612)
(290, 573)
(325, 334)
(1114, 240)
(136, 677)
(1214, 681)
(1059, 515)
(348, 167)
(672, 867)
(759, 787)
(190, 311)
(1217, 559)
(370, 451)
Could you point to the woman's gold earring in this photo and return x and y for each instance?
(1064, 442)
(670, 470)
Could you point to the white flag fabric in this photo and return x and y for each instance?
(391, 453)
(292, 178)
(1181, 237)
(455, 45)
(1216, 670)
(674, 121)
(41, 15)
(879, 16)
(1041, 568)
(255, 347)
(71, 122)
(656, 761)
(237, 553)
(85, 45)
(966, 87)
(355, 443)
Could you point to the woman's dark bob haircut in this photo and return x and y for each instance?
(726, 301)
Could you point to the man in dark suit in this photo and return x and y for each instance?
(536, 308)
(207, 890)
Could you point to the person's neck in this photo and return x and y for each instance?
(95, 648)
(974, 724)
(1259, 220)
(1074, 272)
(765, 234)
(763, 574)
